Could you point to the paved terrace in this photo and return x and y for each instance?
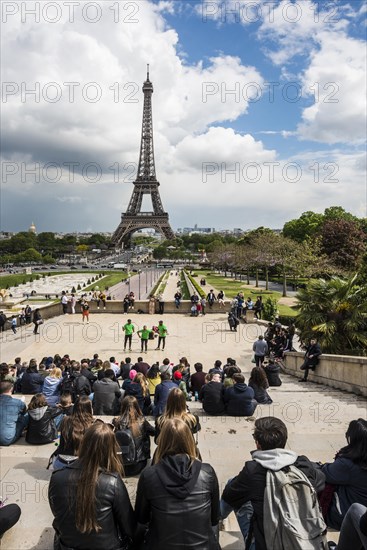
(316, 416)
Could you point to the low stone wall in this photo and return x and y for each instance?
(345, 372)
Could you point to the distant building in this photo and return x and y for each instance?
(32, 228)
(4, 235)
(196, 229)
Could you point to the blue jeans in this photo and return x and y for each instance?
(243, 515)
(58, 420)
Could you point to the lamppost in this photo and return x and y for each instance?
(139, 281)
(146, 280)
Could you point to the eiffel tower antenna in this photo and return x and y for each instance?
(145, 184)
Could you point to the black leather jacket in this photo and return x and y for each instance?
(179, 503)
(114, 512)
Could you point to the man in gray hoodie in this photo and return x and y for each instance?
(245, 492)
(260, 348)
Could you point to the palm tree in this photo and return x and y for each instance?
(335, 312)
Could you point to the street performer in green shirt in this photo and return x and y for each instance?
(128, 329)
(144, 334)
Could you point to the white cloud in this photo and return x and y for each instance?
(338, 72)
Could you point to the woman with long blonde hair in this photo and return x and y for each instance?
(178, 497)
(139, 389)
(51, 386)
(88, 498)
(176, 408)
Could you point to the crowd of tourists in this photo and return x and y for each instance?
(87, 494)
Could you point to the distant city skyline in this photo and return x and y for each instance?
(259, 111)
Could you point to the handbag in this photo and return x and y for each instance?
(40, 322)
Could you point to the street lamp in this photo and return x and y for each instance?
(146, 280)
(139, 282)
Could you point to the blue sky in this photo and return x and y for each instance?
(222, 160)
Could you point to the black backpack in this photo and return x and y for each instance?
(127, 445)
(68, 386)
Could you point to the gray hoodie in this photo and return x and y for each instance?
(274, 459)
(37, 414)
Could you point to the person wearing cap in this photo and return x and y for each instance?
(177, 378)
(126, 383)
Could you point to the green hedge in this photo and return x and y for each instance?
(197, 287)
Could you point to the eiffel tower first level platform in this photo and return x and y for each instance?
(145, 184)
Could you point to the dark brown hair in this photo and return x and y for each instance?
(37, 401)
(270, 433)
(98, 453)
(131, 416)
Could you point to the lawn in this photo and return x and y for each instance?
(231, 287)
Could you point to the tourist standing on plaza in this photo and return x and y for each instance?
(28, 314)
(162, 333)
(95, 511)
(84, 306)
(144, 335)
(64, 302)
(37, 320)
(160, 304)
(313, 352)
(73, 303)
(128, 329)
(261, 349)
(177, 497)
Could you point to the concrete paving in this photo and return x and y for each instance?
(316, 416)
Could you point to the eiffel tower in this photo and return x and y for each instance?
(145, 184)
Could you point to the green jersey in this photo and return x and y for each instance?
(162, 330)
(128, 329)
(144, 333)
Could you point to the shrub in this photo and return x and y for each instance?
(88, 282)
(270, 309)
(79, 287)
(73, 291)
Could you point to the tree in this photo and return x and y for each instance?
(29, 255)
(335, 312)
(307, 225)
(344, 242)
